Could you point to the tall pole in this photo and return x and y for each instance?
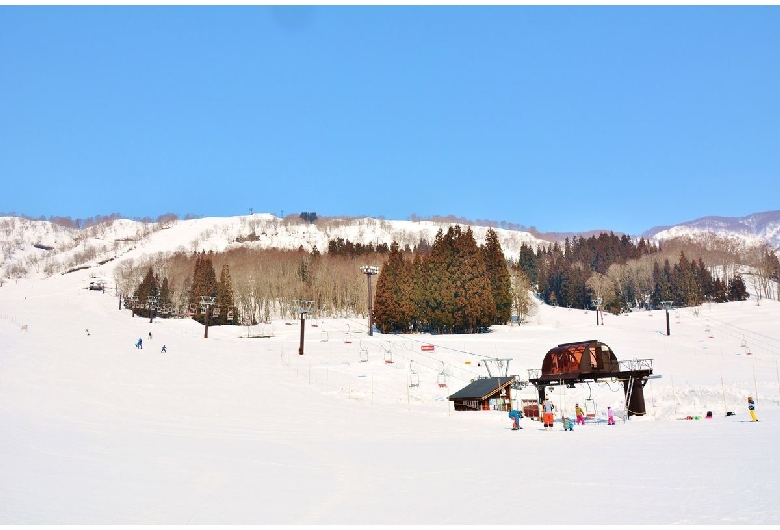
(303, 330)
(667, 304)
(370, 270)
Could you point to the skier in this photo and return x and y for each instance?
(164, 349)
(87, 330)
(580, 414)
(548, 414)
(515, 416)
(752, 408)
(568, 425)
(610, 416)
(139, 344)
(150, 335)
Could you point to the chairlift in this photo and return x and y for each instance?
(215, 312)
(363, 355)
(230, 316)
(324, 336)
(590, 405)
(441, 378)
(388, 357)
(414, 377)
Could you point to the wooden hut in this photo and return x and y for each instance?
(486, 393)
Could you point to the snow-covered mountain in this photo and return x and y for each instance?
(36, 247)
(763, 227)
(41, 247)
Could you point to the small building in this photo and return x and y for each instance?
(485, 393)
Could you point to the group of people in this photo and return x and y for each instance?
(140, 344)
(548, 418)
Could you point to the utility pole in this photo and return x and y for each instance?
(303, 307)
(370, 270)
(667, 304)
(207, 302)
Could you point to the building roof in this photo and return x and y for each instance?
(482, 388)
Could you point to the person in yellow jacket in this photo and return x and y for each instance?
(580, 414)
(752, 408)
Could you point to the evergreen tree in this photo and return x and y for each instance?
(204, 283)
(737, 289)
(475, 308)
(498, 274)
(225, 299)
(392, 302)
(148, 288)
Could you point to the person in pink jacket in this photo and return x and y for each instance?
(610, 416)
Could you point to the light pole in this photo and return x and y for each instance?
(303, 307)
(667, 304)
(207, 302)
(597, 304)
(370, 270)
(152, 303)
(133, 303)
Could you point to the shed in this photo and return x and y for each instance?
(485, 393)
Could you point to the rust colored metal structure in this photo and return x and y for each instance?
(580, 362)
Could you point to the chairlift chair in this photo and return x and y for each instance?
(216, 312)
(363, 355)
(230, 316)
(414, 377)
(388, 357)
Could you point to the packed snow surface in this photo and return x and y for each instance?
(240, 428)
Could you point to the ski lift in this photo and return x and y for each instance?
(230, 316)
(216, 312)
(363, 355)
(744, 342)
(388, 357)
(590, 405)
(414, 377)
(441, 379)
(324, 336)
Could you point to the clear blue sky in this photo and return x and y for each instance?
(562, 118)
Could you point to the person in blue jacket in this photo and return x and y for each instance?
(515, 416)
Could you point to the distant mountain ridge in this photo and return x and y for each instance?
(754, 228)
(41, 247)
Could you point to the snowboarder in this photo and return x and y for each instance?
(150, 335)
(139, 344)
(515, 416)
(548, 414)
(610, 416)
(752, 408)
(164, 349)
(580, 414)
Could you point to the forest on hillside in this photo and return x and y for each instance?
(453, 284)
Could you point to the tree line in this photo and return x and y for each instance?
(452, 285)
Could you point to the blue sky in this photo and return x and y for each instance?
(566, 118)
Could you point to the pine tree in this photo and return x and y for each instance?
(393, 294)
(224, 297)
(498, 274)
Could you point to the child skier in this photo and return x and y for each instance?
(164, 349)
(580, 414)
(610, 416)
(139, 344)
(752, 408)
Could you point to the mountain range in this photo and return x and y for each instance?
(30, 246)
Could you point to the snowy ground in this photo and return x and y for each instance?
(231, 429)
